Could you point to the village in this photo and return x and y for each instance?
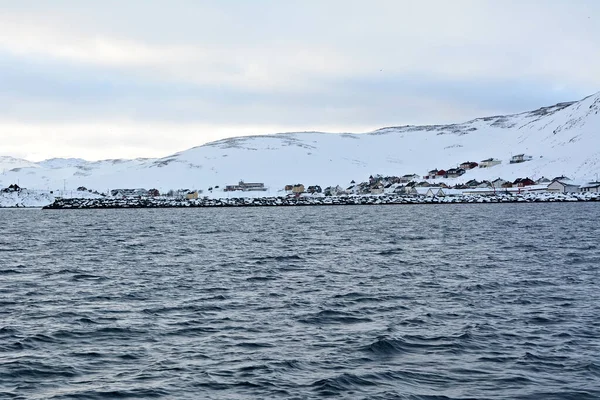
(434, 184)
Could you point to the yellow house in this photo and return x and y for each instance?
(192, 195)
(299, 188)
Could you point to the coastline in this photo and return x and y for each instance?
(303, 201)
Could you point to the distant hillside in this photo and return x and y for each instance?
(563, 139)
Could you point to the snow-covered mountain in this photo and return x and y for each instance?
(563, 139)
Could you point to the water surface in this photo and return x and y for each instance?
(393, 302)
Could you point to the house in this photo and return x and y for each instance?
(590, 187)
(468, 165)
(377, 190)
(489, 162)
(455, 172)
(506, 185)
(522, 182)
(314, 189)
(333, 191)
(442, 174)
(431, 174)
(561, 178)
(153, 193)
(472, 183)
(246, 187)
(543, 180)
(288, 188)
(298, 188)
(557, 186)
(519, 158)
(498, 182)
(484, 184)
(400, 189)
(409, 177)
(191, 195)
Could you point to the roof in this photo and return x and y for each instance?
(590, 185)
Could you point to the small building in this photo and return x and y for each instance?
(314, 189)
(191, 195)
(590, 187)
(472, 183)
(519, 158)
(298, 188)
(455, 172)
(246, 187)
(498, 182)
(543, 180)
(522, 182)
(561, 178)
(489, 162)
(468, 165)
(442, 174)
(407, 178)
(431, 174)
(153, 193)
(562, 187)
(288, 188)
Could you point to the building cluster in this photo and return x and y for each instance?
(398, 185)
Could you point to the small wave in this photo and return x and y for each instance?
(10, 271)
(341, 383)
(81, 277)
(333, 317)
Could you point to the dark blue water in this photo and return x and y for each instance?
(391, 302)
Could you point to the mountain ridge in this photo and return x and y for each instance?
(562, 140)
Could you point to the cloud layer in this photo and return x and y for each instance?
(146, 78)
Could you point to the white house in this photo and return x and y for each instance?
(498, 182)
(562, 187)
(488, 163)
(519, 158)
(590, 187)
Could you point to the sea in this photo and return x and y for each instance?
(462, 301)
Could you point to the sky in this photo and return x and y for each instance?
(147, 78)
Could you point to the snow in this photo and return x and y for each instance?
(31, 198)
(562, 140)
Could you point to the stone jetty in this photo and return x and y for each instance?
(165, 202)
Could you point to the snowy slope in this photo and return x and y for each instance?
(562, 139)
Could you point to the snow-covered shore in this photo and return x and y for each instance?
(161, 202)
(26, 198)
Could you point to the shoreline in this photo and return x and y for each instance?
(125, 203)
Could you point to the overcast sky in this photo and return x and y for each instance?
(146, 78)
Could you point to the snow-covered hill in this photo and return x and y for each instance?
(563, 140)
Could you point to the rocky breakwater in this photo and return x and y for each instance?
(165, 202)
